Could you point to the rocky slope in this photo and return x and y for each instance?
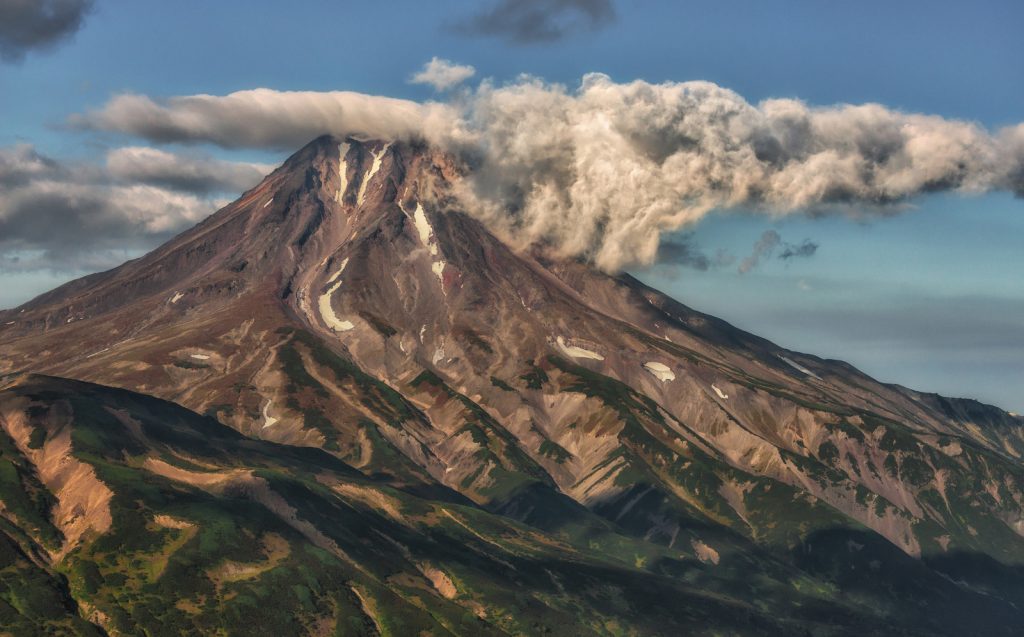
(346, 304)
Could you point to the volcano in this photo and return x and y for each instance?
(341, 405)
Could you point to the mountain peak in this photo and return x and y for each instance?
(346, 303)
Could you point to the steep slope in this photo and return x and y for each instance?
(346, 303)
(185, 526)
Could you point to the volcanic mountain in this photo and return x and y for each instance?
(342, 406)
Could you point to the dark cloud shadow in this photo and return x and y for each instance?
(537, 21)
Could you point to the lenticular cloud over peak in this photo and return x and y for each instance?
(604, 170)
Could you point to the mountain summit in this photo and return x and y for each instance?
(611, 448)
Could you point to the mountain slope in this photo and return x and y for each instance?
(182, 524)
(346, 303)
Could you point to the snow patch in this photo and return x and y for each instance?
(800, 368)
(661, 371)
(378, 158)
(341, 268)
(12, 323)
(177, 297)
(423, 330)
(438, 356)
(200, 357)
(438, 269)
(269, 202)
(719, 392)
(327, 312)
(424, 229)
(268, 420)
(427, 238)
(577, 352)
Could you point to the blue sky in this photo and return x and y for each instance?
(931, 298)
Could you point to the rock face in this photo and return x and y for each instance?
(347, 304)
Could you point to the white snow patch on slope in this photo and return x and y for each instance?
(269, 202)
(660, 371)
(427, 238)
(327, 312)
(425, 230)
(341, 268)
(268, 420)
(377, 159)
(342, 171)
(797, 366)
(200, 357)
(423, 331)
(577, 352)
(438, 268)
(177, 297)
(719, 392)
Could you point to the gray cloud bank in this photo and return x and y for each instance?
(535, 21)
(80, 216)
(38, 24)
(604, 170)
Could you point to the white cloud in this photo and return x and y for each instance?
(264, 118)
(443, 74)
(604, 170)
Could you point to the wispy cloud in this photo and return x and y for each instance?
(443, 74)
(533, 21)
(766, 245)
(27, 25)
(682, 250)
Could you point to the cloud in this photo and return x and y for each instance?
(683, 250)
(264, 118)
(533, 21)
(604, 170)
(766, 246)
(1011, 142)
(74, 216)
(21, 163)
(804, 249)
(38, 24)
(443, 74)
(762, 249)
(196, 174)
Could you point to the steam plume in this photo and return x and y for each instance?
(604, 170)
